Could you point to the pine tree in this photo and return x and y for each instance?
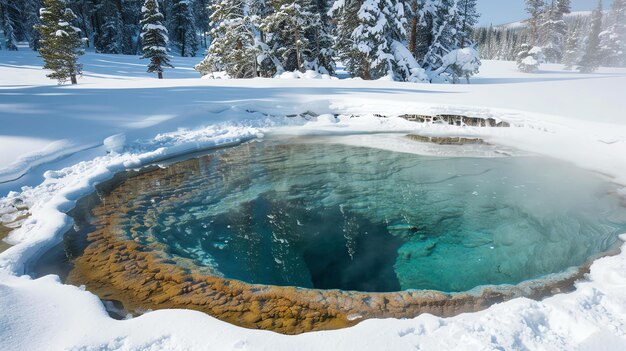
(346, 13)
(465, 60)
(131, 17)
(110, 38)
(613, 39)
(234, 49)
(30, 19)
(563, 6)
(468, 17)
(535, 8)
(591, 59)
(154, 38)
(322, 40)
(529, 58)
(552, 33)
(367, 30)
(202, 19)
(572, 48)
(8, 13)
(183, 28)
(443, 39)
(424, 15)
(60, 43)
(297, 38)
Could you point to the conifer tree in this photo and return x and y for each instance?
(467, 17)
(535, 8)
(613, 39)
(346, 13)
(443, 39)
(591, 59)
(424, 15)
(60, 43)
(572, 48)
(183, 28)
(297, 38)
(367, 30)
(563, 6)
(154, 38)
(529, 58)
(552, 33)
(8, 15)
(200, 10)
(30, 19)
(110, 38)
(322, 40)
(234, 48)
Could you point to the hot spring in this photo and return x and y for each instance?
(295, 236)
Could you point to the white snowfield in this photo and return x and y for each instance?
(53, 139)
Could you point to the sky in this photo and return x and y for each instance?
(505, 11)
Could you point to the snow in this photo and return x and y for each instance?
(65, 139)
(466, 58)
(151, 26)
(530, 61)
(413, 71)
(308, 74)
(115, 143)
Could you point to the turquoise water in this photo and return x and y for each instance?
(341, 217)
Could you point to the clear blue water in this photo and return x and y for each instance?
(340, 217)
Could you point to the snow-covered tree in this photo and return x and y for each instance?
(109, 38)
(154, 38)
(529, 58)
(183, 28)
(30, 20)
(60, 43)
(322, 41)
(443, 38)
(234, 49)
(413, 16)
(535, 8)
(468, 16)
(613, 39)
(408, 69)
(202, 20)
(572, 48)
(8, 15)
(499, 43)
(591, 59)
(366, 32)
(552, 33)
(296, 37)
(564, 6)
(462, 62)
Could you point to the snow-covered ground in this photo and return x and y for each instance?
(53, 151)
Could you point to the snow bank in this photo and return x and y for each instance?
(309, 74)
(115, 143)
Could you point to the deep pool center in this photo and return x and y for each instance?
(297, 236)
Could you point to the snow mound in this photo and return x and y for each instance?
(309, 74)
(115, 143)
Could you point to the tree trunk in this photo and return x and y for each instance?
(183, 43)
(160, 75)
(73, 79)
(298, 58)
(366, 69)
(413, 37)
